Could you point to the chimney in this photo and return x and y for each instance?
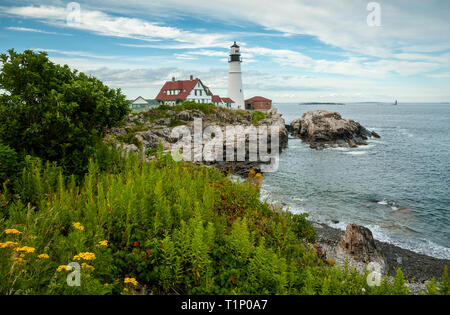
(173, 79)
(192, 77)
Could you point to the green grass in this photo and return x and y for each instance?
(257, 116)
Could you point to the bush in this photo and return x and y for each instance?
(53, 112)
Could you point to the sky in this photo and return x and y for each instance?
(293, 50)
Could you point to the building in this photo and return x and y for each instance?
(223, 102)
(217, 100)
(143, 104)
(235, 90)
(176, 92)
(258, 103)
(229, 103)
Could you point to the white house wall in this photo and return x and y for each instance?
(204, 98)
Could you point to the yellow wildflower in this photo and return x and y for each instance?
(33, 237)
(78, 226)
(103, 243)
(43, 256)
(86, 266)
(25, 249)
(9, 244)
(85, 256)
(19, 260)
(63, 267)
(131, 280)
(12, 231)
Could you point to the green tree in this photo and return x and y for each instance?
(9, 164)
(52, 112)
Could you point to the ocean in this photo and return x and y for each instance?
(397, 186)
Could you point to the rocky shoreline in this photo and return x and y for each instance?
(417, 268)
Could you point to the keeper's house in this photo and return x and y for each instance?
(258, 103)
(176, 92)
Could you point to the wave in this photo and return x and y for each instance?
(417, 245)
(405, 132)
(356, 152)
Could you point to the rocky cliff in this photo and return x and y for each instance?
(147, 130)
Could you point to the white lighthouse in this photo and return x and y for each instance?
(235, 91)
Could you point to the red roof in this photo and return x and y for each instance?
(185, 87)
(208, 90)
(216, 99)
(227, 100)
(258, 99)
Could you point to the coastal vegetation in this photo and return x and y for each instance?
(136, 226)
(53, 112)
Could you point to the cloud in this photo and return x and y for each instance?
(76, 53)
(25, 29)
(118, 26)
(351, 67)
(408, 24)
(445, 75)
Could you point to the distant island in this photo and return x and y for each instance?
(318, 103)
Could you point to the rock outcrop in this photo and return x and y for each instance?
(149, 129)
(322, 129)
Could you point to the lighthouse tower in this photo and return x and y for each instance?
(235, 91)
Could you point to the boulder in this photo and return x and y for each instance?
(358, 243)
(185, 116)
(321, 128)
